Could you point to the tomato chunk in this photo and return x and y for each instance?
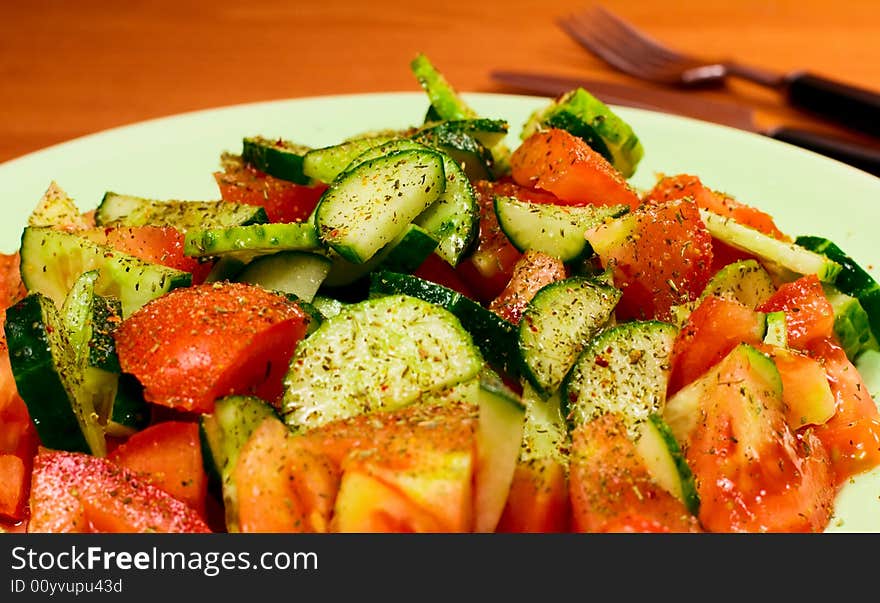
(169, 455)
(283, 201)
(18, 443)
(196, 344)
(808, 313)
(76, 492)
(660, 256)
(533, 270)
(564, 165)
(538, 501)
(611, 488)
(712, 330)
(852, 435)
(687, 185)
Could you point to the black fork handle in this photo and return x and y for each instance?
(857, 155)
(851, 106)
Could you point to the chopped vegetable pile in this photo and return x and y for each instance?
(426, 330)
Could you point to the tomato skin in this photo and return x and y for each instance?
(488, 269)
(611, 489)
(283, 201)
(538, 500)
(169, 455)
(534, 270)
(18, 444)
(158, 244)
(195, 344)
(852, 435)
(712, 330)
(660, 256)
(76, 492)
(563, 164)
(808, 313)
(688, 185)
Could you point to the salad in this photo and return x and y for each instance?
(428, 330)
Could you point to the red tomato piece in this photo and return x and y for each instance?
(534, 270)
(18, 444)
(712, 330)
(686, 185)
(538, 501)
(564, 165)
(660, 256)
(437, 270)
(283, 201)
(611, 488)
(195, 344)
(157, 244)
(13, 486)
(808, 313)
(852, 435)
(12, 288)
(76, 492)
(753, 472)
(489, 268)
(169, 455)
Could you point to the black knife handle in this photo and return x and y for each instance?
(861, 156)
(857, 108)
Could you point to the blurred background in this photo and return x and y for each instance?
(73, 67)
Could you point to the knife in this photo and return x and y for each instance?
(864, 157)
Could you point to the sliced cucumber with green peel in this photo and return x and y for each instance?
(556, 230)
(328, 306)
(248, 242)
(852, 280)
(556, 325)
(128, 210)
(852, 325)
(453, 219)
(130, 412)
(326, 163)
(277, 157)
(585, 116)
(379, 354)
(496, 337)
(777, 255)
(745, 281)
(461, 145)
(624, 369)
(776, 333)
(48, 379)
(662, 455)
(545, 433)
(223, 433)
(296, 272)
(52, 260)
(368, 206)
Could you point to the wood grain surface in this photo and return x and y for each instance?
(73, 67)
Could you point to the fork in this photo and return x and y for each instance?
(632, 51)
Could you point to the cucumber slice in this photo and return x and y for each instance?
(127, 210)
(295, 272)
(46, 374)
(659, 450)
(776, 334)
(326, 163)
(245, 243)
(852, 280)
(379, 354)
(370, 205)
(327, 306)
(496, 337)
(625, 369)
(545, 434)
(223, 433)
(558, 322)
(556, 230)
(777, 255)
(745, 281)
(52, 260)
(453, 219)
(499, 437)
(130, 412)
(462, 145)
(277, 157)
(585, 116)
(852, 325)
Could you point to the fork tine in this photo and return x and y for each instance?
(623, 46)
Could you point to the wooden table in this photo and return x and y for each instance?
(69, 68)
